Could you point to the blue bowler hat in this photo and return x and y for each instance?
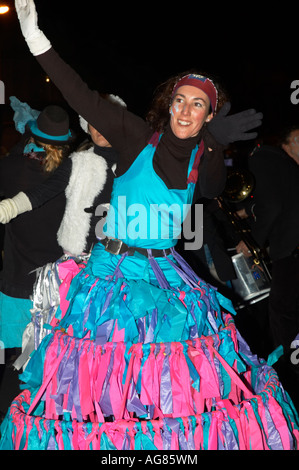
(52, 126)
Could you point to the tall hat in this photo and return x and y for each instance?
(51, 126)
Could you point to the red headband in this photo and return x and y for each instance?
(203, 83)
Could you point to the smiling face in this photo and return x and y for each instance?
(190, 109)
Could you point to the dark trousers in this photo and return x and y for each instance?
(284, 302)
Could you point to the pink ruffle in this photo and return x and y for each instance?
(206, 431)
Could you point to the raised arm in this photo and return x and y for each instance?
(116, 124)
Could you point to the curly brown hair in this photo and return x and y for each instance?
(158, 114)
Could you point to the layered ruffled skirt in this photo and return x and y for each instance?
(144, 355)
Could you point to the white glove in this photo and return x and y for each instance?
(35, 38)
(10, 208)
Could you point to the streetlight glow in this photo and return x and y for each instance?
(3, 9)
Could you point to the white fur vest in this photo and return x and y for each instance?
(87, 180)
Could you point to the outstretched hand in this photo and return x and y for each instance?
(35, 38)
(27, 16)
(227, 129)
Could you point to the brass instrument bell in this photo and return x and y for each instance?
(239, 185)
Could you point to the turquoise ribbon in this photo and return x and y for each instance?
(106, 444)
(275, 355)
(7, 429)
(143, 442)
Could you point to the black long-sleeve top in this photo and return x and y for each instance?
(30, 239)
(276, 201)
(129, 134)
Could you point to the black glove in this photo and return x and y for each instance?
(227, 129)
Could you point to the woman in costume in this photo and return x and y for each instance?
(147, 355)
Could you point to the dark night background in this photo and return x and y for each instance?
(129, 48)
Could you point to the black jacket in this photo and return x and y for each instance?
(30, 239)
(276, 201)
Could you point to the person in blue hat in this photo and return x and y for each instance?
(30, 240)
